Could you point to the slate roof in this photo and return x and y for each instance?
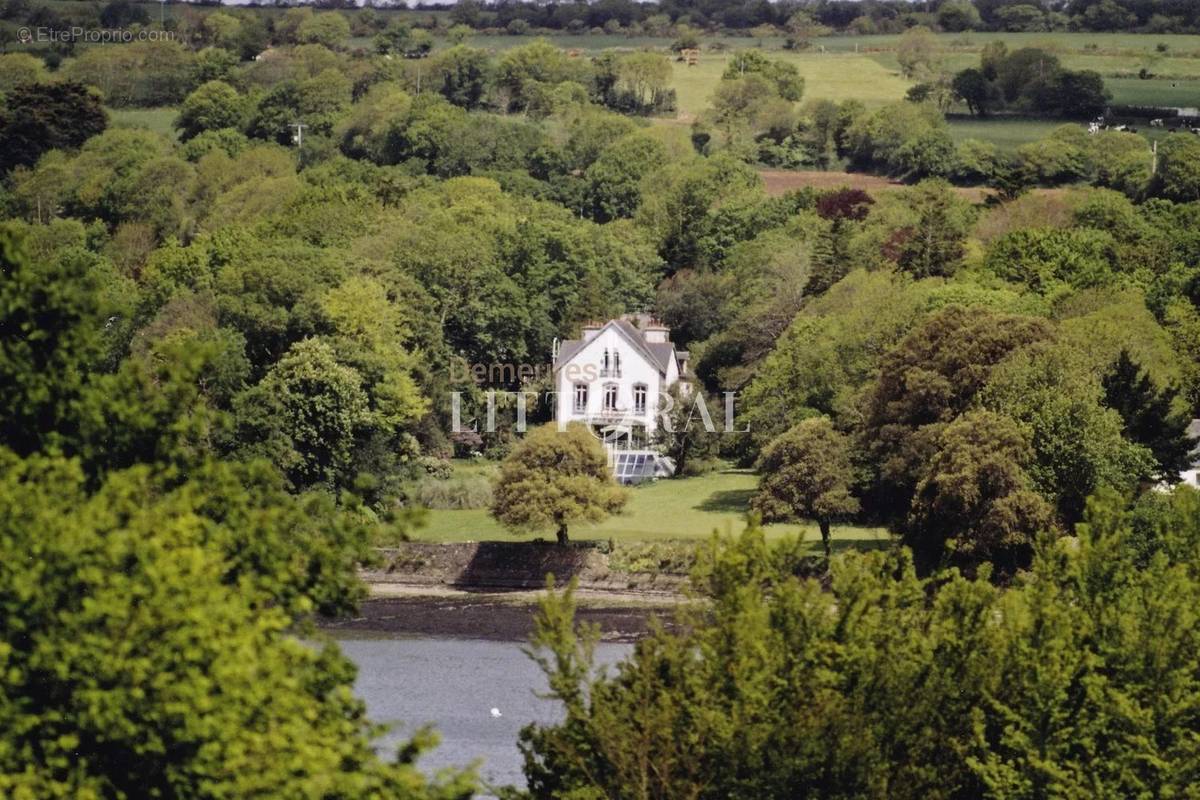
(657, 353)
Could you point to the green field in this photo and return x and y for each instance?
(827, 76)
(1157, 92)
(1006, 134)
(159, 120)
(686, 508)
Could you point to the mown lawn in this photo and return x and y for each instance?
(685, 508)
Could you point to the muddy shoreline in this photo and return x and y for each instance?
(494, 615)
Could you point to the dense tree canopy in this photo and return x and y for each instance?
(884, 685)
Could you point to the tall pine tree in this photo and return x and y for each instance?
(1148, 415)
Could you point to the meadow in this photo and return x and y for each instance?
(159, 120)
(683, 508)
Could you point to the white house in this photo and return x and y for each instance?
(612, 378)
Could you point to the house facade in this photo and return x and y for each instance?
(612, 379)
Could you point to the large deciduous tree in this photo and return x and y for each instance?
(974, 501)
(807, 473)
(555, 478)
(39, 117)
(925, 382)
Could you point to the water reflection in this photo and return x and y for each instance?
(454, 684)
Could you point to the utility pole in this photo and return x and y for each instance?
(162, 14)
(299, 137)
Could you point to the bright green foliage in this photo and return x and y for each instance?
(213, 106)
(784, 75)
(330, 29)
(369, 334)
(20, 68)
(974, 501)
(1045, 258)
(1178, 176)
(884, 685)
(525, 71)
(554, 478)
(807, 473)
(1078, 444)
(828, 352)
(139, 662)
(905, 140)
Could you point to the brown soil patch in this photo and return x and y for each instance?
(781, 181)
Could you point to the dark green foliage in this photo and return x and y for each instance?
(1150, 415)
(924, 383)
(52, 318)
(39, 117)
(974, 501)
(933, 246)
(1030, 79)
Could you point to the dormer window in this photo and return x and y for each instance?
(610, 366)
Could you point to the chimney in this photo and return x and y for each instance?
(655, 332)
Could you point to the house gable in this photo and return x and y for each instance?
(656, 355)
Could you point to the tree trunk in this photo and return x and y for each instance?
(562, 533)
(823, 523)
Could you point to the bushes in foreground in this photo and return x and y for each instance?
(1080, 680)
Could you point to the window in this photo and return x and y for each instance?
(581, 392)
(611, 365)
(639, 398)
(630, 467)
(610, 397)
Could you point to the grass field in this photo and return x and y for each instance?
(686, 508)
(1158, 92)
(827, 76)
(159, 120)
(1006, 134)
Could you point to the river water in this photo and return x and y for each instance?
(454, 684)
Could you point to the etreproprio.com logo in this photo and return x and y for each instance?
(79, 34)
